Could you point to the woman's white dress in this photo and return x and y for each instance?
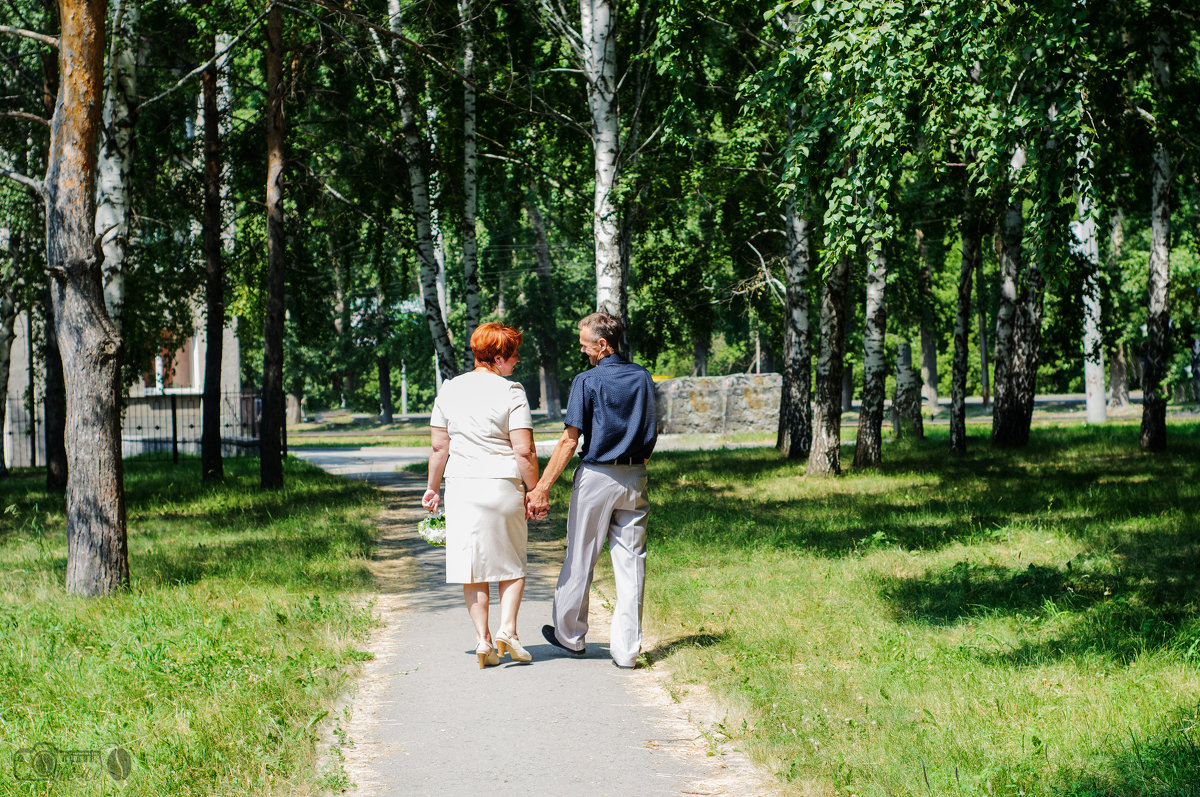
(486, 531)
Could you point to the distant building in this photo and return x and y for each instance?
(148, 422)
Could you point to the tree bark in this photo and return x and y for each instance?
(971, 257)
(1154, 398)
(212, 465)
(54, 405)
(547, 328)
(8, 319)
(868, 444)
(929, 354)
(985, 381)
(97, 554)
(1087, 249)
(416, 158)
(1118, 361)
(825, 455)
(466, 13)
(272, 428)
(115, 163)
(906, 403)
(1195, 365)
(1018, 332)
(1118, 378)
(794, 439)
(598, 26)
(385, 390)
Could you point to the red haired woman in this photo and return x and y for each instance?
(482, 434)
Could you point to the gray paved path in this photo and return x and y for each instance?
(427, 720)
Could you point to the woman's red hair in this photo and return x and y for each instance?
(492, 341)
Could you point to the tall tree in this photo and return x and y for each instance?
(824, 458)
(869, 439)
(1154, 401)
(272, 429)
(114, 175)
(97, 554)
(212, 466)
(794, 439)
(470, 249)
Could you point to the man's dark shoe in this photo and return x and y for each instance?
(625, 666)
(548, 633)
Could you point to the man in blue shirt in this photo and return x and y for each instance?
(612, 406)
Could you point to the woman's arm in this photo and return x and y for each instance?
(439, 453)
(527, 464)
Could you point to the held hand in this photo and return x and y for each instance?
(537, 503)
(431, 500)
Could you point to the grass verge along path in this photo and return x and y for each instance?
(1002, 623)
(214, 670)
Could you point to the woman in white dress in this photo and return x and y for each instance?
(482, 434)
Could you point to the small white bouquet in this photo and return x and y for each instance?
(433, 529)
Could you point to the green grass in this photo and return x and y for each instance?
(216, 667)
(1003, 623)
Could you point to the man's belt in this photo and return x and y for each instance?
(625, 461)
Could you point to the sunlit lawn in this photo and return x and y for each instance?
(1001, 623)
(216, 668)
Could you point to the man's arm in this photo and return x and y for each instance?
(537, 501)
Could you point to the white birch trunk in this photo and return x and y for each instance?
(1154, 401)
(598, 23)
(466, 13)
(1087, 248)
(794, 439)
(114, 165)
(868, 445)
(413, 149)
(824, 458)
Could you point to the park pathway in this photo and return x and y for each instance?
(426, 720)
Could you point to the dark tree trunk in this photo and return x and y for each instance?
(272, 429)
(1154, 397)
(1195, 366)
(466, 11)
(385, 390)
(8, 318)
(547, 328)
(868, 444)
(54, 406)
(794, 440)
(700, 356)
(825, 456)
(212, 466)
(97, 554)
(962, 321)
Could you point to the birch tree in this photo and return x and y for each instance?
(794, 439)
(212, 466)
(824, 457)
(594, 46)
(114, 176)
(466, 13)
(1087, 250)
(868, 441)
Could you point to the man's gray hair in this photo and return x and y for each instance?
(609, 327)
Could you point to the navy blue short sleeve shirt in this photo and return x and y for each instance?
(612, 405)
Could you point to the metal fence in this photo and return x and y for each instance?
(165, 425)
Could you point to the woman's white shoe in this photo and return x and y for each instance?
(512, 646)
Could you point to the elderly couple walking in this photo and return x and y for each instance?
(482, 440)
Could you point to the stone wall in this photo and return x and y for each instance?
(719, 404)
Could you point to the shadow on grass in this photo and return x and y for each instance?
(182, 531)
(665, 648)
(1164, 765)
